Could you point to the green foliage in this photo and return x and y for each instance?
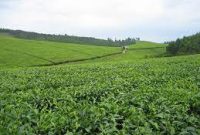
(186, 45)
(21, 53)
(141, 96)
(141, 50)
(154, 96)
(68, 39)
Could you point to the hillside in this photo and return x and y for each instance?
(16, 52)
(140, 50)
(20, 52)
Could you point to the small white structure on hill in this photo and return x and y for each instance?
(124, 49)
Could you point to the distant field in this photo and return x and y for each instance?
(21, 53)
(141, 50)
(144, 49)
(147, 44)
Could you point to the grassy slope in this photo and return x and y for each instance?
(20, 52)
(147, 44)
(141, 50)
(144, 49)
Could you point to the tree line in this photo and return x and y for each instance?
(185, 45)
(68, 39)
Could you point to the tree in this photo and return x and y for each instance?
(190, 44)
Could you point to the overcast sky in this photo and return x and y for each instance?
(154, 20)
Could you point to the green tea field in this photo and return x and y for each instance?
(99, 67)
(22, 53)
(64, 89)
(157, 96)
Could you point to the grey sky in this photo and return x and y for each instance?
(155, 20)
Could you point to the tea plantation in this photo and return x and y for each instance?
(16, 52)
(140, 97)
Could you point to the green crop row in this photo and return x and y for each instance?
(158, 96)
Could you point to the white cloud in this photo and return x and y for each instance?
(156, 20)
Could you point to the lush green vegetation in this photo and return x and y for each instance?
(68, 39)
(19, 52)
(186, 45)
(140, 50)
(154, 96)
(105, 92)
(147, 44)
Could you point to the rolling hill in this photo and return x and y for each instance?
(16, 52)
(20, 52)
